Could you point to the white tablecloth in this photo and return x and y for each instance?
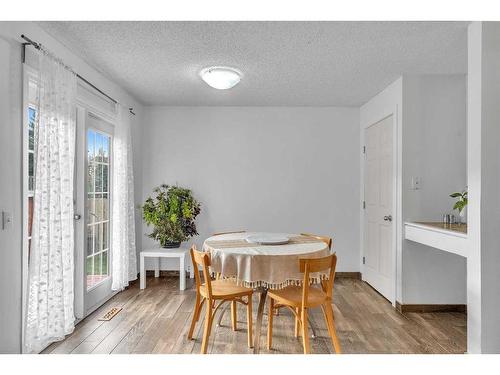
(255, 265)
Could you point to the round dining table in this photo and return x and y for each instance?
(263, 266)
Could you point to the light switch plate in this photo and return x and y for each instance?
(6, 220)
(416, 183)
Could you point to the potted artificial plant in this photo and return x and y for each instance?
(172, 212)
(461, 205)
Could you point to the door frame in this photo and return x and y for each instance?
(88, 101)
(396, 194)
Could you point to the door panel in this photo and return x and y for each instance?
(371, 256)
(385, 242)
(371, 194)
(378, 232)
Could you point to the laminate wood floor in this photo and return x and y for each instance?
(156, 320)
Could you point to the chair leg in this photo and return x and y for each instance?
(199, 309)
(234, 319)
(208, 326)
(249, 322)
(305, 335)
(196, 315)
(331, 328)
(297, 323)
(270, 324)
(327, 320)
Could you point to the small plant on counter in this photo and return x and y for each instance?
(461, 203)
(172, 213)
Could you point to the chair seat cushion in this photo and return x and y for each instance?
(225, 289)
(292, 296)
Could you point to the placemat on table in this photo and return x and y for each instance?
(227, 244)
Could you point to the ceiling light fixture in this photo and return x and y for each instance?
(221, 77)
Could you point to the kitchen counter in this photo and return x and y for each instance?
(447, 237)
(462, 228)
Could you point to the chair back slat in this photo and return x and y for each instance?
(316, 264)
(202, 259)
(325, 239)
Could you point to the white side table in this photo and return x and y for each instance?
(159, 252)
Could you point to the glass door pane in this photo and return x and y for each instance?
(98, 207)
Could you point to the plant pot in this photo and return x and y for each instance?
(463, 216)
(171, 245)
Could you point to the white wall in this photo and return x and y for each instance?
(11, 161)
(474, 86)
(261, 168)
(434, 149)
(434, 143)
(490, 188)
(10, 197)
(483, 263)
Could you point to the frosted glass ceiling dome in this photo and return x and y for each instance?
(221, 77)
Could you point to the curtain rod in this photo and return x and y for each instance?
(39, 47)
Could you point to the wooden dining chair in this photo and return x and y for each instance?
(217, 277)
(329, 242)
(300, 299)
(215, 293)
(326, 240)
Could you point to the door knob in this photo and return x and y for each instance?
(77, 216)
(388, 218)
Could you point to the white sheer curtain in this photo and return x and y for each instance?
(50, 300)
(124, 262)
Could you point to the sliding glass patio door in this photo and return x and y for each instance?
(94, 171)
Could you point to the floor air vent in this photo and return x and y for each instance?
(110, 314)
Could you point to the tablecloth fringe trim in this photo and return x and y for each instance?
(265, 284)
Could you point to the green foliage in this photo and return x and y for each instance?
(171, 212)
(462, 201)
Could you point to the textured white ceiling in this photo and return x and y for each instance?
(284, 63)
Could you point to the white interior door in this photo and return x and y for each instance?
(378, 226)
(93, 232)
